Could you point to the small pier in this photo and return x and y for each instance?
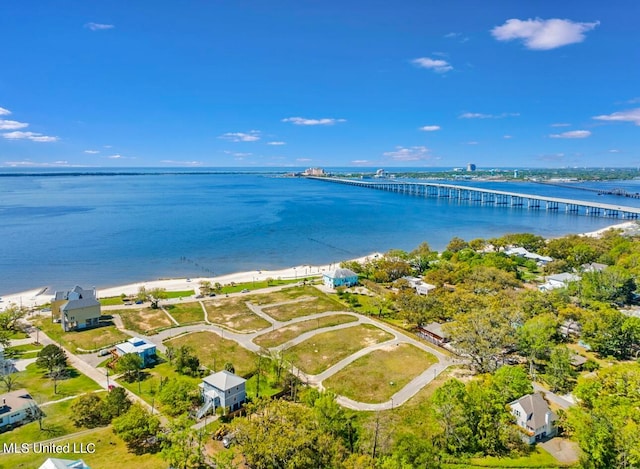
(474, 195)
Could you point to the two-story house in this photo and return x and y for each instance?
(77, 309)
(534, 416)
(16, 408)
(222, 389)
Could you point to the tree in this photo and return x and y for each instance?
(186, 362)
(153, 295)
(609, 332)
(228, 366)
(129, 365)
(535, 338)
(50, 357)
(9, 382)
(449, 406)
(116, 403)
(205, 288)
(511, 383)
(181, 445)
(559, 372)
(10, 316)
(58, 373)
(87, 411)
(138, 428)
(179, 395)
(457, 244)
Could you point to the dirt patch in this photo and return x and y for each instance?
(565, 451)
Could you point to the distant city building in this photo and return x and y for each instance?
(515, 174)
(314, 172)
(380, 173)
(471, 167)
(77, 309)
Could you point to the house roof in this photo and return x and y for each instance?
(15, 400)
(434, 328)
(594, 267)
(56, 463)
(80, 303)
(224, 380)
(564, 277)
(536, 409)
(135, 345)
(341, 273)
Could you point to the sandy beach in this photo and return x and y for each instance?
(36, 297)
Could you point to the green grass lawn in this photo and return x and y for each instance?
(214, 351)
(89, 339)
(286, 294)
(111, 301)
(287, 333)
(258, 285)
(537, 459)
(186, 313)
(110, 451)
(234, 314)
(380, 374)
(144, 319)
(22, 351)
(325, 349)
(180, 294)
(303, 306)
(41, 387)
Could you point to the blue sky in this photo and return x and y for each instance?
(297, 83)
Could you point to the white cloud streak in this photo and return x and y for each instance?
(33, 136)
(437, 65)
(12, 125)
(430, 128)
(632, 115)
(276, 143)
(572, 134)
(305, 121)
(251, 136)
(91, 152)
(4, 112)
(539, 34)
(409, 154)
(98, 26)
(478, 115)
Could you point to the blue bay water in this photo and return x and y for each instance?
(105, 230)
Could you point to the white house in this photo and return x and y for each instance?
(141, 347)
(57, 463)
(522, 252)
(558, 281)
(340, 278)
(222, 389)
(534, 416)
(421, 288)
(17, 407)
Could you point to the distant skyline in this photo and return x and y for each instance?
(336, 83)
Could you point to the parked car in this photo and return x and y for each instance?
(228, 439)
(245, 290)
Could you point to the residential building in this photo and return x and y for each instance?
(222, 389)
(17, 407)
(570, 328)
(593, 267)
(77, 309)
(145, 349)
(421, 288)
(526, 254)
(340, 278)
(433, 333)
(56, 463)
(534, 416)
(558, 281)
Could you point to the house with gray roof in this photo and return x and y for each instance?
(534, 417)
(77, 309)
(145, 349)
(222, 389)
(57, 463)
(558, 281)
(16, 408)
(340, 278)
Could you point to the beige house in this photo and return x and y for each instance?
(77, 309)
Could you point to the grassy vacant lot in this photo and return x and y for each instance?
(539, 458)
(90, 339)
(186, 313)
(144, 320)
(285, 334)
(110, 451)
(326, 349)
(212, 350)
(40, 387)
(286, 294)
(303, 306)
(380, 374)
(234, 314)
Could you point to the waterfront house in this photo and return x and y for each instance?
(222, 389)
(17, 407)
(558, 281)
(340, 278)
(77, 309)
(534, 417)
(145, 349)
(526, 254)
(57, 463)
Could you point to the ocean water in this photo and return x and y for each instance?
(105, 229)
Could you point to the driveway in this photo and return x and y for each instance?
(565, 451)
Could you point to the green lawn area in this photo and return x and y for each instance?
(180, 294)
(326, 349)
(89, 339)
(380, 374)
(303, 306)
(234, 314)
(22, 351)
(258, 285)
(41, 387)
(110, 451)
(537, 459)
(287, 333)
(144, 319)
(214, 351)
(111, 301)
(186, 313)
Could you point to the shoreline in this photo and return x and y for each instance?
(37, 296)
(40, 296)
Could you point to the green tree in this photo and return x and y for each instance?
(181, 446)
(609, 332)
(116, 403)
(535, 338)
(559, 372)
(129, 365)
(179, 395)
(88, 411)
(510, 383)
(138, 428)
(205, 287)
(228, 366)
(51, 357)
(457, 244)
(10, 316)
(186, 362)
(449, 404)
(153, 295)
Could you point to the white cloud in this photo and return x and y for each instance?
(115, 157)
(237, 154)
(276, 143)
(613, 150)
(4, 112)
(632, 115)
(572, 134)
(91, 152)
(471, 143)
(251, 136)
(304, 121)
(409, 154)
(539, 34)
(478, 115)
(304, 160)
(98, 26)
(430, 128)
(12, 125)
(561, 124)
(437, 65)
(182, 163)
(33, 136)
(361, 162)
(507, 137)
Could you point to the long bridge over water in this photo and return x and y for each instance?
(492, 197)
